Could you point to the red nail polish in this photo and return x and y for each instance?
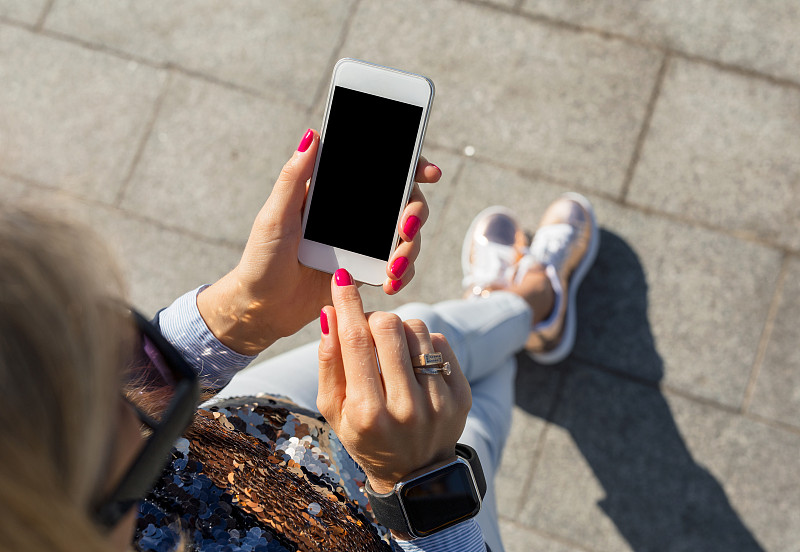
(396, 285)
(323, 322)
(342, 278)
(412, 226)
(308, 137)
(437, 168)
(398, 267)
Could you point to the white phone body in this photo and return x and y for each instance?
(370, 143)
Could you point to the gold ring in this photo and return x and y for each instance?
(430, 359)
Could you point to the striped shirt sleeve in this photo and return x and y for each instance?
(182, 325)
(464, 537)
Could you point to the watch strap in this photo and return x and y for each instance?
(387, 508)
(468, 453)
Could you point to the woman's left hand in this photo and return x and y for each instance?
(390, 419)
(269, 294)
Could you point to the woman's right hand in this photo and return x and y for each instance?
(391, 420)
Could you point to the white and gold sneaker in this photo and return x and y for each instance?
(495, 255)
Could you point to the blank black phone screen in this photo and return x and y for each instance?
(369, 144)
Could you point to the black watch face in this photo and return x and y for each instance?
(440, 499)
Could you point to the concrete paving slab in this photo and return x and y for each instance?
(723, 150)
(25, 11)
(158, 264)
(628, 468)
(527, 95)
(519, 539)
(12, 190)
(777, 391)
(212, 158)
(755, 462)
(282, 50)
(668, 301)
(760, 36)
(72, 118)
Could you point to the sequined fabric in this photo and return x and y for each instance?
(259, 474)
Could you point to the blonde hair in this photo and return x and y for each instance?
(61, 347)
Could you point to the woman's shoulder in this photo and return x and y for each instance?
(259, 473)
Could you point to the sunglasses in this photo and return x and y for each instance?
(164, 392)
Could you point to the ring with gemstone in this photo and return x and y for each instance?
(431, 364)
(443, 369)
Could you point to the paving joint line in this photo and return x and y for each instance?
(668, 389)
(538, 452)
(696, 223)
(661, 386)
(774, 424)
(614, 198)
(452, 188)
(324, 84)
(516, 11)
(145, 139)
(634, 41)
(644, 131)
(133, 215)
(232, 86)
(766, 335)
(167, 65)
(43, 16)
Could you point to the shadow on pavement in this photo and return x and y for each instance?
(608, 399)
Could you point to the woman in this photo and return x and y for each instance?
(62, 342)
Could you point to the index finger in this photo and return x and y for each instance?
(355, 339)
(426, 171)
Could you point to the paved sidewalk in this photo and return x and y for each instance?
(675, 425)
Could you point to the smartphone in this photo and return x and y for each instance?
(371, 138)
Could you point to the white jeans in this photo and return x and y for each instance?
(485, 333)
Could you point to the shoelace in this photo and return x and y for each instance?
(549, 244)
(493, 265)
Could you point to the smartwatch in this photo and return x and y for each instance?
(432, 500)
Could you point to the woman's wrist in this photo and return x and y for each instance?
(234, 317)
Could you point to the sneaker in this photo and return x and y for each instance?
(492, 250)
(566, 243)
(495, 255)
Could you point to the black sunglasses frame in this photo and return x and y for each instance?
(155, 454)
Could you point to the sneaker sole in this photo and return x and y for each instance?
(567, 343)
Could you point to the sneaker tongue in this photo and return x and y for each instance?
(549, 243)
(492, 266)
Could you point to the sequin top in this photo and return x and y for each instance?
(260, 473)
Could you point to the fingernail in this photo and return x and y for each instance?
(398, 267)
(323, 322)
(342, 278)
(412, 226)
(308, 137)
(437, 168)
(396, 284)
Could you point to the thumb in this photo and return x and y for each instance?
(289, 191)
